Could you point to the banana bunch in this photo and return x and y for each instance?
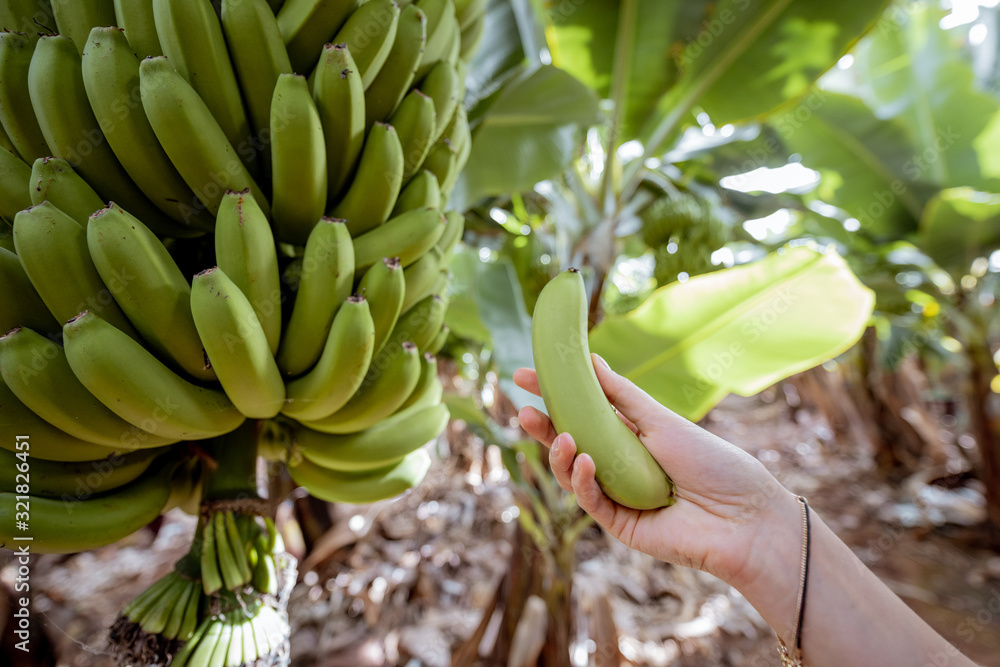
(236, 552)
(169, 610)
(245, 635)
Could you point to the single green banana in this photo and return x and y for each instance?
(38, 372)
(111, 80)
(421, 192)
(190, 34)
(400, 67)
(442, 161)
(259, 57)
(265, 575)
(443, 85)
(458, 132)
(415, 122)
(60, 527)
(190, 620)
(441, 22)
(191, 137)
(82, 479)
(340, 101)
(384, 286)
(407, 236)
(139, 388)
(453, 231)
(16, 115)
(341, 367)
(28, 309)
(239, 546)
(75, 19)
(325, 281)
(469, 11)
(369, 33)
(211, 577)
(135, 18)
(390, 380)
(15, 179)
(421, 323)
(439, 341)
(53, 180)
(576, 404)
(209, 643)
(45, 237)
(149, 287)
(421, 277)
(234, 657)
(176, 619)
(246, 252)
(428, 391)
(364, 487)
(306, 25)
(231, 575)
(298, 160)
(236, 345)
(26, 15)
(471, 38)
(376, 185)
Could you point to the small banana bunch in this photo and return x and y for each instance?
(236, 552)
(161, 618)
(244, 635)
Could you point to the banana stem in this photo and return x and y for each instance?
(234, 476)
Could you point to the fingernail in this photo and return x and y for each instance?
(601, 360)
(557, 446)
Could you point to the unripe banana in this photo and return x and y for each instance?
(191, 37)
(27, 310)
(236, 345)
(453, 231)
(421, 277)
(415, 122)
(459, 134)
(471, 38)
(442, 161)
(139, 388)
(428, 391)
(421, 323)
(365, 487)
(26, 15)
(469, 11)
(389, 382)
(442, 85)
(341, 368)
(421, 192)
(15, 177)
(53, 180)
(16, 115)
(400, 68)
(381, 445)
(75, 19)
(46, 238)
(384, 286)
(148, 286)
(439, 341)
(298, 160)
(77, 480)
(246, 252)
(135, 18)
(407, 236)
(325, 281)
(626, 470)
(306, 25)
(38, 372)
(375, 187)
(441, 22)
(191, 137)
(340, 100)
(61, 527)
(369, 33)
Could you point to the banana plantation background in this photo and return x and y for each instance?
(787, 214)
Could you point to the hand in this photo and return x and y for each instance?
(728, 505)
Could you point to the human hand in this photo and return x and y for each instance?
(728, 505)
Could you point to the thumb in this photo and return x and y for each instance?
(630, 400)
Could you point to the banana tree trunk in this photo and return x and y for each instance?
(984, 422)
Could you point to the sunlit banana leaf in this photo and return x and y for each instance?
(958, 226)
(737, 330)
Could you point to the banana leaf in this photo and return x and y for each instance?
(959, 225)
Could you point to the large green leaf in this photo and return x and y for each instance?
(958, 226)
(737, 330)
(529, 133)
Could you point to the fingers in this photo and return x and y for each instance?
(632, 402)
(526, 379)
(537, 425)
(589, 495)
(561, 457)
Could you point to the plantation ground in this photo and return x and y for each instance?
(408, 580)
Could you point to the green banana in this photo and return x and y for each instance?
(60, 527)
(384, 285)
(191, 137)
(298, 160)
(341, 367)
(421, 192)
(26, 15)
(375, 187)
(459, 134)
(369, 33)
(442, 161)
(389, 382)
(183, 656)
(155, 619)
(340, 101)
(231, 575)
(139, 388)
(75, 19)
(407, 236)
(82, 479)
(234, 657)
(306, 25)
(245, 251)
(211, 577)
(470, 38)
(28, 309)
(421, 277)
(400, 67)
(441, 23)
(326, 280)
(239, 546)
(149, 287)
(443, 85)
(259, 57)
(415, 122)
(16, 115)
(380, 445)
(439, 341)
(454, 228)
(190, 620)
(365, 487)
(469, 11)
(38, 372)
(15, 179)
(421, 323)
(626, 470)
(135, 18)
(111, 80)
(236, 345)
(265, 575)
(190, 34)
(173, 626)
(53, 180)
(45, 237)
(209, 643)
(428, 391)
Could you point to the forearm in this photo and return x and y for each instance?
(851, 617)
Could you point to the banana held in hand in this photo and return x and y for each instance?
(626, 470)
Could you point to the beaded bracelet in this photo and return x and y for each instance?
(793, 657)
